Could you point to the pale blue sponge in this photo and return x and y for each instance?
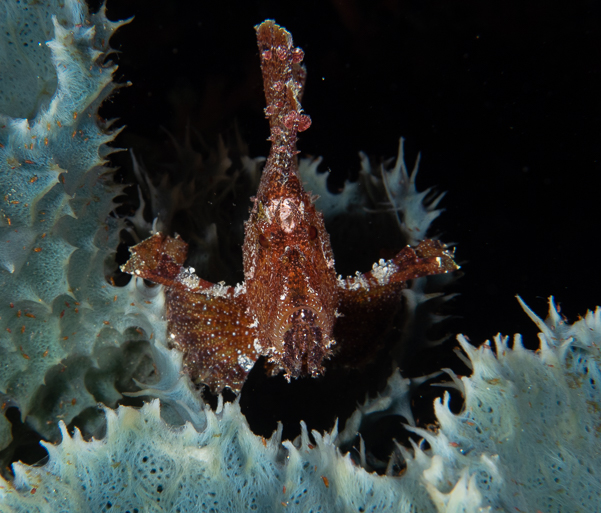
(58, 313)
(527, 440)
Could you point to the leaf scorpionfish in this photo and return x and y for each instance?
(291, 307)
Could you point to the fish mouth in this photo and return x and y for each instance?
(305, 343)
(301, 317)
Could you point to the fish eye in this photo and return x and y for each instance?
(312, 232)
(264, 241)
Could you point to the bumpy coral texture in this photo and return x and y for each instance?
(59, 316)
(526, 439)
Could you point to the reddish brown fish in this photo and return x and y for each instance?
(288, 260)
(291, 307)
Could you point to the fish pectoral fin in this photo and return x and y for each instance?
(215, 334)
(160, 259)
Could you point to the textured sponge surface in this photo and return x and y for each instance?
(28, 78)
(146, 465)
(526, 440)
(57, 307)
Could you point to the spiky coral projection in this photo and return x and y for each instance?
(59, 316)
(526, 440)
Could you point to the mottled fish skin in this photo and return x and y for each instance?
(207, 322)
(288, 261)
(291, 307)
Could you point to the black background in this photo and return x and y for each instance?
(501, 98)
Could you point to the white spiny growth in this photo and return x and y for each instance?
(59, 316)
(526, 440)
(332, 205)
(413, 211)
